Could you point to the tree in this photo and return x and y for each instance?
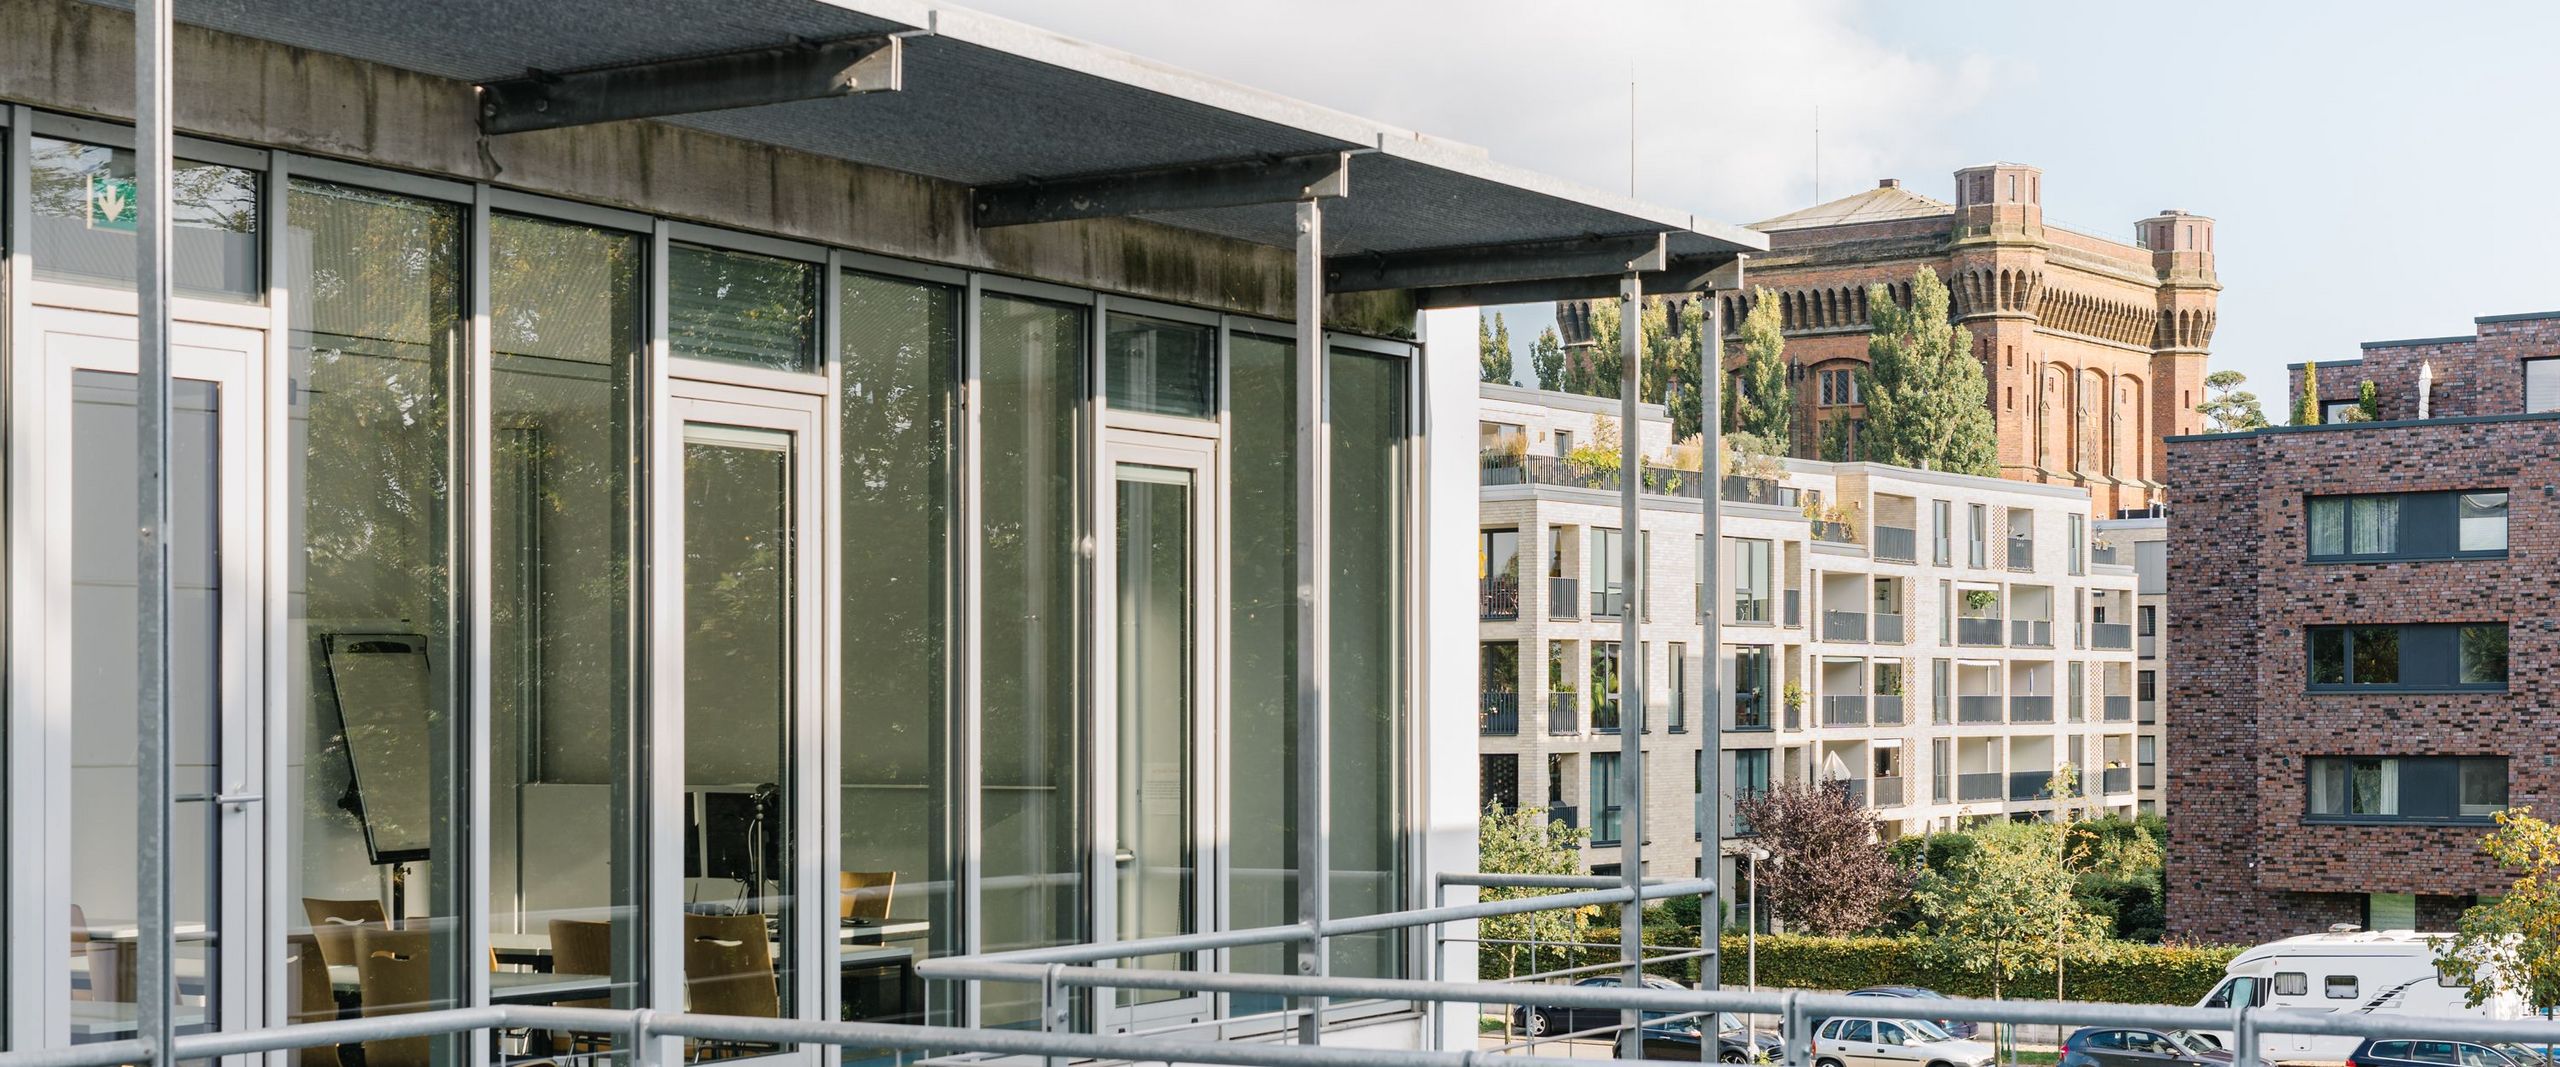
(1764, 404)
(1493, 348)
(2006, 908)
(2510, 946)
(2306, 404)
(1525, 842)
(1672, 377)
(2227, 407)
(1927, 403)
(2368, 401)
(1829, 876)
(1546, 360)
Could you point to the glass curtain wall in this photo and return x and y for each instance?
(1033, 830)
(901, 358)
(568, 324)
(1370, 533)
(1262, 658)
(83, 211)
(371, 870)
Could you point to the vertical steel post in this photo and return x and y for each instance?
(1631, 665)
(1315, 601)
(153, 172)
(1711, 641)
(1054, 1007)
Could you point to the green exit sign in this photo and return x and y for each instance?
(112, 204)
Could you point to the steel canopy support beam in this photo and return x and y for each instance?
(549, 100)
(1687, 274)
(1630, 666)
(1710, 386)
(1192, 187)
(1526, 261)
(154, 175)
(1314, 621)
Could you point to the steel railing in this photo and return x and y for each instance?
(2031, 707)
(1972, 630)
(1844, 625)
(1498, 598)
(1897, 544)
(2115, 635)
(1498, 714)
(1849, 709)
(1980, 785)
(2031, 633)
(1564, 712)
(1888, 629)
(1564, 598)
(1975, 707)
(1888, 709)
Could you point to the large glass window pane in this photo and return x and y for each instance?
(567, 324)
(371, 789)
(84, 211)
(2484, 786)
(2484, 655)
(2328, 526)
(1033, 836)
(1604, 798)
(2376, 655)
(2483, 519)
(1751, 581)
(1371, 529)
(2329, 655)
(1262, 656)
(1751, 687)
(2373, 525)
(1161, 367)
(1604, 685)
(901, 357)
(738, 307)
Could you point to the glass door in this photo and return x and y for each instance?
(84, 664)
(1156, 806)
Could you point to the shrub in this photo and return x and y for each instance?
(2113, 971)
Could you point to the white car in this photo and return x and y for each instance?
(1893, 1043)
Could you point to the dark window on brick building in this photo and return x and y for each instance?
(2384, 526)
(2406, 788)
(2420, 657)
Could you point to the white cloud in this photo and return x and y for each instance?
(1725, 91)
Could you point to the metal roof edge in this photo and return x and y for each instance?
(2409, 342)
(1435, 152)
(2391, 424)
(2521, 316)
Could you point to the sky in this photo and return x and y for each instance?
(2375, 170)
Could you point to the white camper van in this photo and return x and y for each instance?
(2380, 972)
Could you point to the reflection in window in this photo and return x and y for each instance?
(2410, 788)
(83, 209)
(2483, 518)
(2431, 525)
(1160, 367)
(1262, 659)
(1371, 529)
(2428, 656)
(901, 357)
(738, 307)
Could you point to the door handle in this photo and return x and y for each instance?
(236, 801)
(1124, 857)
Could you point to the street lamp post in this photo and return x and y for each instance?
(1751, 951)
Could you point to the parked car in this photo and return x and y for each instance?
(1846, 1042)
(2531, 1055)
(2396, 1053)
(2133, 1046)
(1681, 1040)
(1550, 1021)
(1956, 1027)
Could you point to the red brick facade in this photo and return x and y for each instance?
(2478, 375)
(2094, 349)
(2244, 865)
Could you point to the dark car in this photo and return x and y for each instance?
(2399, 1053)
(1548, 1021)
(2134, 1046)
(1953, 1027)
(1680, 1041)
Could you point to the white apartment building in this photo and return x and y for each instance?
(1940, 645)
(2144, 542)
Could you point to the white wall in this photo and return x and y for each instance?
(1449, 369)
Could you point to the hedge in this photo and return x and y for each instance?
(2122, 972)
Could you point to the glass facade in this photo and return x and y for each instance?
(81, 200)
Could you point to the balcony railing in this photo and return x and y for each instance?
(2031, 707)
(2111, 635)
(1844, 625)
(1977, 708)
(2103, 554)
(1498, 715)
(1564, 598)
(2116, 780)
(2031, 633)
(1658, 481)
(1564, 712)
(1608, 603)
(2022, 554)
(1888, 708)
(2119, 708)
(1744, 489)
(1897, 544)
(1983, 786)
(1795, 607)
(2029, 785)
(1838, 533)
(1854, 788)
(1888, 629)
(1840, 710)
(1499, 598)
(1973, 631)
(1885, 791)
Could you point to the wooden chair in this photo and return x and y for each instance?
(395, 977)
(728, 970)
(582, 947)
(336, 923)
(864, 894)
(314, 999)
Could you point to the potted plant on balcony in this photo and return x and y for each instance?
(1793, 694)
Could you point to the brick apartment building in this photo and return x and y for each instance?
(2368, 638)
(2095, 348)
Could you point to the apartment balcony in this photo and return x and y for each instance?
(1795, 607)
(2116, 780)
(1564, 712)
(1498, 715)
(2031, 633)
(2022, 554)
(1849, 710)
(2114, 635)
(1836, 533)
(1844, 626)
(1885, 791)
(1564, 598)
(1888, 708)
(1564, 815)
(2118, 708)
(1498, 599)
(2032, 707)
(1978, 708)
(1888, 629)
(1608, 603)
(1895, 544)
(2029, 785)
(1973, 631)
(1983, 786)
(1744, 489)
(2105, 555)
(1854, 788)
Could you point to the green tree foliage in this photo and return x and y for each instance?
(1670, 352)
(2008, 910)
(2368, 401)
(2115, 862)
(2510, 946)
(2227, 407)
(1927, 403)
(1826, 874)
(1546, 360)
(1493, 348)
(1524, 842)
(1765, 404)
(2306, 404)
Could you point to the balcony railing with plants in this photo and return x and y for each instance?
(1971, 630)
(2031, 707)
(1499, 468)
(1983, 786)
(2022, 553)
(1844, 710)
(1564, 711)
(2029, 785)
(1844, 625)
(1833, 532)
(1498, 598)
(2031, 633)
(2116, 780)
(1498, 714)
(1885, 791)
(2111, 635)
(1564, 598)
(1897, 544)
(1977, 707)
(2119, 708)
(1888, 708)
(1888, 629)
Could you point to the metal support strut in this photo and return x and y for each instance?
(1710, 386)
(1630, 784)
(1315, 629)
(152, 171)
